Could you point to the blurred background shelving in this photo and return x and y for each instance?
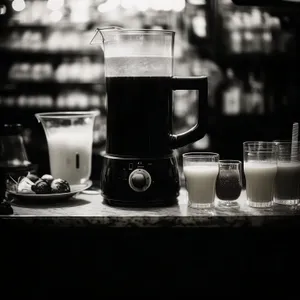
(48, 64)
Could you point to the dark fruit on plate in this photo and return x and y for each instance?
(48, 178)
(60, 186)
(41, 187)
(33, 177)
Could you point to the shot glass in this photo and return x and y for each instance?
(200, 171)
(287, 180)
(260, 168)
(229, 183)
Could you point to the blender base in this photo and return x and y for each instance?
(140, 204)
(140, 182)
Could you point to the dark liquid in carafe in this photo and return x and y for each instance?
(139, 116)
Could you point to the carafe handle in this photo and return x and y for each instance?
(197, 132)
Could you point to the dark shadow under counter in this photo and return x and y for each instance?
(122, 252)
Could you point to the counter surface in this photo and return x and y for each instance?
(89, 210)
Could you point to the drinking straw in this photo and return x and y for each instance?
(294, 148)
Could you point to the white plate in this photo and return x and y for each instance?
(42, 198)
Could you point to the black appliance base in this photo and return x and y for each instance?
(140, 182)
(140, 204)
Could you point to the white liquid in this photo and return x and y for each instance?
(287, 181)
(260, 178)
(201, 182)
(64, 145)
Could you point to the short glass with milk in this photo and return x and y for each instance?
(200, 171)
(70, 139)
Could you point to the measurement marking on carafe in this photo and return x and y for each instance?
(77, 161)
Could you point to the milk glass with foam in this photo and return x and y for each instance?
(70, 139)
(200, 171)
(260, 168)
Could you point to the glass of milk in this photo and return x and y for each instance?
(200, 171)
(287, 180)
(260, 168)
(70, 139)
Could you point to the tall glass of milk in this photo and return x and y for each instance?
(260, 168)
(200, 171)
(70, 139)
(287, 181)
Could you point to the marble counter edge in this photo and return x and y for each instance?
(152, 221)
(89, 211)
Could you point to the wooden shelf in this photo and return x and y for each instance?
(49, 86)
(255, 58)
(25, 26)
(44, 26)
(35, 109)
(38, 54)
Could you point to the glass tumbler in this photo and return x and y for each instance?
(229, 183)
(200, 171)
(287, 181)
(70, 138)
(260, 167)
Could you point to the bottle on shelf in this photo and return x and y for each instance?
(256, 25)
(22, 101)
(8, 101)
(54, 41)
(235, 28)
(74, 71)
(47, 71)
(60, 101)
(31, 71)
(33, 101)
(36, 41)
(199, 24)
(94, 101)
(61, 73)
(231, 94)
(86, 74)
(248, 36)
(72, 41)
(255, 97)
(14, 40)
(267, 37)
(252, 31)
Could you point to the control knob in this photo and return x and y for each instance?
(139, 180)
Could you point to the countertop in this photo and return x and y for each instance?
(85, 245)
(89, 210)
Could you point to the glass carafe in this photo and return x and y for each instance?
(140, 84)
